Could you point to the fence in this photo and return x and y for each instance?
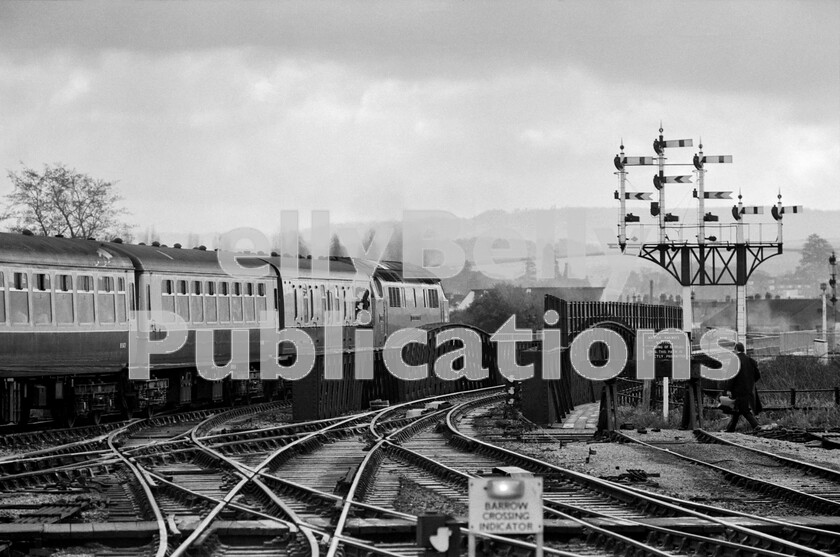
(630, 393)
(792, 342)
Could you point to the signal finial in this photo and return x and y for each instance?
(739, 195)
(660, 127)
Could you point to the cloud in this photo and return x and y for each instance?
(212, 116)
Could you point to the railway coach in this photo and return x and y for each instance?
(67, 305)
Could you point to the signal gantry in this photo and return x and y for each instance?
(725, 258)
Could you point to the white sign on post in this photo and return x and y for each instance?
(505, 505)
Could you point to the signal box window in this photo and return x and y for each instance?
(166, 286)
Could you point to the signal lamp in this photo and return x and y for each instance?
(505, 489)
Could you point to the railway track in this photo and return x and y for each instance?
(806, 477)
(448, 476)
(745, 536)
(205, 484)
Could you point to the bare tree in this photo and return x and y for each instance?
(60, 200)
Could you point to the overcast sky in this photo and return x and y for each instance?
(217, 115)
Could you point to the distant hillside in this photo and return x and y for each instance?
(581, 238)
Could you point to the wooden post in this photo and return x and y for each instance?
(793, 398)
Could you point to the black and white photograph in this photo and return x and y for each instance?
(366, 278)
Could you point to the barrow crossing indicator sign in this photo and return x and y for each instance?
(504, 505)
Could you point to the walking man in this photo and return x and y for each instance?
(742, 389)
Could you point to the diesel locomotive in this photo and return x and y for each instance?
(67, 307)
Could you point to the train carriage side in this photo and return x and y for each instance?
(317, 297)
(190, 285)
(65, 305)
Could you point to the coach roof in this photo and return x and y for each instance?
(163, 259)
(25, 249)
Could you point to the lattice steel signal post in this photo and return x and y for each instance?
(684, 250)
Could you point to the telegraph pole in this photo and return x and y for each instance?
(832, 282)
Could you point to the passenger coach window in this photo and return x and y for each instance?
(224, 302)
(236, 302)
(2, 298)
(210, 313)
(42, 282)
(262, 303)
(84, 299)
(121, 312)
(42, 298)
(63, 283)
(249, 303)
(19, 298)
(107, 305)
(63, 298)
(196, 302)
(182, 303)
(167, 303)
